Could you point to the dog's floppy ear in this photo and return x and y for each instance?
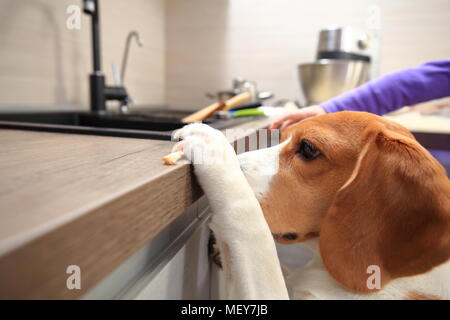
(393, 213)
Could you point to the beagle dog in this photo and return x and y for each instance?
(355, 188)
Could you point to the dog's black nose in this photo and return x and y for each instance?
(290, 236)
(287, 236)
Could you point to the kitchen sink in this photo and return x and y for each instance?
(146, 125)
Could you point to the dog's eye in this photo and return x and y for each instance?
(308, 151)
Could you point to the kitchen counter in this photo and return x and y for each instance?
(86, 200)
(416, 122)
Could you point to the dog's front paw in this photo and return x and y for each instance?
(205, 146)
(215, 164)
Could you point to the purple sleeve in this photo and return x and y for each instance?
(393, 91)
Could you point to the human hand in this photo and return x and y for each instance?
(296, 116)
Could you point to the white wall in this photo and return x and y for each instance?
(211, 41)
(195, 46)
(44, 63)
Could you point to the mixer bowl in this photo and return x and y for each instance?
(325, 79)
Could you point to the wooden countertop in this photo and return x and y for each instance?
(416, 122)
(48, 179)
(86, 200)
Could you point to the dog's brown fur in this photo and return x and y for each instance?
(375, 196)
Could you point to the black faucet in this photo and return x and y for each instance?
(99, 91)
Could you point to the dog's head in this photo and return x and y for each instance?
(364, 186)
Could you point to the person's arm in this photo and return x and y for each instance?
(388, 93)
(406, 87)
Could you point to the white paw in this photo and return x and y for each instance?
(204, 145)
(216, 167)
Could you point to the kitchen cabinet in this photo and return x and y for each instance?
(185, 276)
(173, 265)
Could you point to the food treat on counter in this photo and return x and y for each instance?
(173, 157)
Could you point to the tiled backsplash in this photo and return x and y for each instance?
(42, 62)
(196, 46)
(210, 42)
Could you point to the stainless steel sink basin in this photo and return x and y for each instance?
(146, 125)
